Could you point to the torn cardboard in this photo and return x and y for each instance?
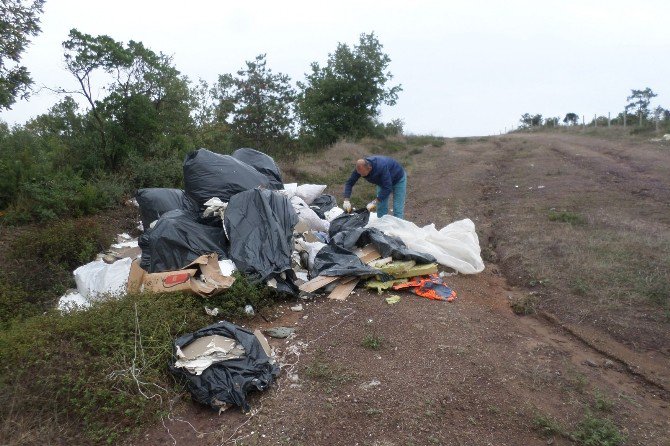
(202, 277)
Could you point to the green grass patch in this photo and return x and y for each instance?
(567, 217)
(547, 426)
(100, 375)
(425, 140)
(524, 305)
(594, 431)
(372, 341)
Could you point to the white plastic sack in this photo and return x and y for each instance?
(289, 189)
(312, 250)
(456, 245)
(309, 192)
(307, 215)
(100, 278)
(333, 213)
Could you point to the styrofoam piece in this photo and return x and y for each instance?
(333, 213)
(227, 267)
(72, 300)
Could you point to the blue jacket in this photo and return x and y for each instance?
(385, 173)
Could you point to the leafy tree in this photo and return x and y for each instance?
(528, 120)
(343, 97)
(552, 122)
(639, 100)
(571, 119)
(258, 103)
(18, 22)
(147, 98)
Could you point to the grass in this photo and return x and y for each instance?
(594, 431)
(326, 372)
(566, 217)
(524, 305)
(547, 427)
(372, 341)
(601, 402)
(100, 375)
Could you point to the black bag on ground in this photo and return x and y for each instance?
(322, 204)
(156, 201)
(228, 381)
(208, 175)
(177, 240)
(333, 260)
(262, 163)
(260, 226)
(345, 222)
(386, 245)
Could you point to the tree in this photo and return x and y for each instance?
(528, 120)
(18, 22)
(147, 98)
(259, 104)
(571, 119)
(639, 100)
(343, 97)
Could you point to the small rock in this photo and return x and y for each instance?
(608, 364)
(249, 310)
(590, 363)
(297, 308)
(280, 332)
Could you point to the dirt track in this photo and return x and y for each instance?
(471, 371)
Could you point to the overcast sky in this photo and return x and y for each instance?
(466, 68)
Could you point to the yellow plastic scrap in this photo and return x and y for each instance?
(394, 299)
(381, 286)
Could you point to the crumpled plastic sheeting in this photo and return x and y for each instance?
(231, 380)
(260, 225)
(176, 240)
(307, 215)
(386, 245)
(346, 222)
(97, 279)
(262, 163)
(456, 245)
(208, 174)
(333, 260)
(155, 201)
(73, 300)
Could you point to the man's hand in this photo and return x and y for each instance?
(372, 206)
(347, 206)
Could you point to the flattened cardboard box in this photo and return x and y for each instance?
(210, 281)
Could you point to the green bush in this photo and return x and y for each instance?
(593, 431)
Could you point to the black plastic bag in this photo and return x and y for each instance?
(228, 381)
(208, 175)
(346, 222)
(386, 245)
(260, 227)
(333, 260)
(177, 240)
(322, 204)
(156, 201)
(262, 163)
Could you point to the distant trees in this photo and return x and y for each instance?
(19, 20)
(343, 97)
(639, 101)
(259, 105)
(571, 119)
(528, 120)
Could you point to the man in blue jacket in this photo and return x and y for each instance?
(388, 175)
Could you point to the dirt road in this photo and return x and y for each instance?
(576, 228)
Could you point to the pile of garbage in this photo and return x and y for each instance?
(236, 214)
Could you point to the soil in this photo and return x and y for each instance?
(471, 371)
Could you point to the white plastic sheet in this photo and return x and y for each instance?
(99, 278)
(307, 215)
(333, 213)
(456, 245)
(309, 192)
(71, 301)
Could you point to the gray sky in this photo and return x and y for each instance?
(467, 68)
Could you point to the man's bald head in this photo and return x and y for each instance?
(363, 167)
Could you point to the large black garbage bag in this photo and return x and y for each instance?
(208, 175)
(333, 260)
(260, 228)
(322, 204)
(346, 222)
(228, 381)
(386, 245)
(177, 240)
(156, 201)
(262, 163)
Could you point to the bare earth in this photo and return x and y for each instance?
(472, 372)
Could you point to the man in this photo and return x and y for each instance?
(388, 175)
